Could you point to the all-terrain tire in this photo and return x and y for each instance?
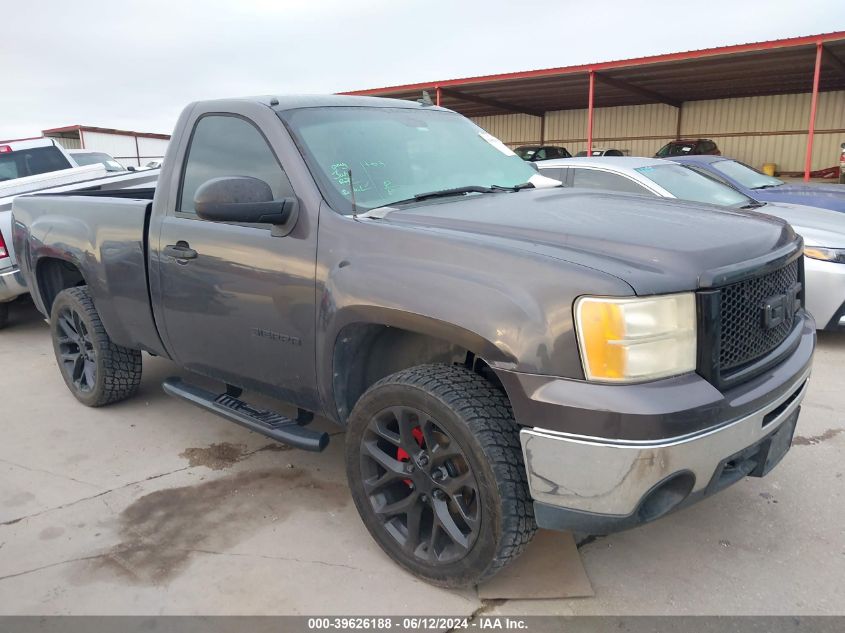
(114, 371)
(476, 415)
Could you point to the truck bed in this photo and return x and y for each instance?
(102, 235)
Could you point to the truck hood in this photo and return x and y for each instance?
(818, 227)
(655, 245)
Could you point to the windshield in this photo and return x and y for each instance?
(676, 149)
(94, 158)
(397, 153)
(745, 175)
(91, 158)
(526, 152)
(686, 184)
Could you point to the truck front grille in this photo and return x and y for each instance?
(745, 336)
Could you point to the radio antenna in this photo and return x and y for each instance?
(352, 190)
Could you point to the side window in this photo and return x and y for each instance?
(229, 146)
(553, 172)
(595, 179)
(540, 154)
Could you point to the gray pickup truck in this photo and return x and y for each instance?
(503, 353)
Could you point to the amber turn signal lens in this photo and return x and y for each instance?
(636, 339)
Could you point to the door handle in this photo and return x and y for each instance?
(180, 250)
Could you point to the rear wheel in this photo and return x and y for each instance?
(96, 371)
(435, 467)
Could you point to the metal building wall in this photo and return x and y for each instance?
(125, 148)
(758, 130)
(513, 129)
(67, 143)
(151, 148)
(755, 130)
(636, 129)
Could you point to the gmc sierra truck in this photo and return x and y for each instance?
(503, 353)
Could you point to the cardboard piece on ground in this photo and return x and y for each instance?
(551, 567)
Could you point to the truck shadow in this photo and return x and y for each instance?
(23, 317)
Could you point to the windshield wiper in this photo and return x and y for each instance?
(460, 191)
(766, 186)
(519, 187)
(457, 191)
(753, 205)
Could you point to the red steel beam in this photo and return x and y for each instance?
(590, 114)
(808, 161)
(622, 63)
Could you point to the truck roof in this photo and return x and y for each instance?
(26, 143)
(293, 102)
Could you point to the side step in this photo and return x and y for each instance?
(269, 423)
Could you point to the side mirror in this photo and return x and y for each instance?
(534, 167)
(241, 199)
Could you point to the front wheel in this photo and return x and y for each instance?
(96, 371)
(435, 467)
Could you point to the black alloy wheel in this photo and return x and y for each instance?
(420, 485)
(77, 357)
(95, 369)
(435, 467)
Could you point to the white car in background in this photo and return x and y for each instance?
(823, 230)
(92, 157)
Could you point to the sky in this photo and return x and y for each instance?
(133, 65)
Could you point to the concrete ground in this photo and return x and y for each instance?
(152, 506)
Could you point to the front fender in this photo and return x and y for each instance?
(513, 308)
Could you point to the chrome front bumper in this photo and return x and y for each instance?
(598, 476)
(11, 284)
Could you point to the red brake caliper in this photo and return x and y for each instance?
(403, 456)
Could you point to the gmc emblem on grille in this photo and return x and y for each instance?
(779, 308)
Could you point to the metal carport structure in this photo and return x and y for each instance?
(812, 64)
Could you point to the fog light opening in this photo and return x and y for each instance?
(666, 496)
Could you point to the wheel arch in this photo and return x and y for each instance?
(365, 350)
(52, 275)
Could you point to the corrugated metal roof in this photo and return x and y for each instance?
(743, 70)
(105, 130)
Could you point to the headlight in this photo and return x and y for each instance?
(636, 339)
(825, 254)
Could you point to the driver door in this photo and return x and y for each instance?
(237, 303)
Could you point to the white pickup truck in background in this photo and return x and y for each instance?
(42, 166)
(31, 164)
